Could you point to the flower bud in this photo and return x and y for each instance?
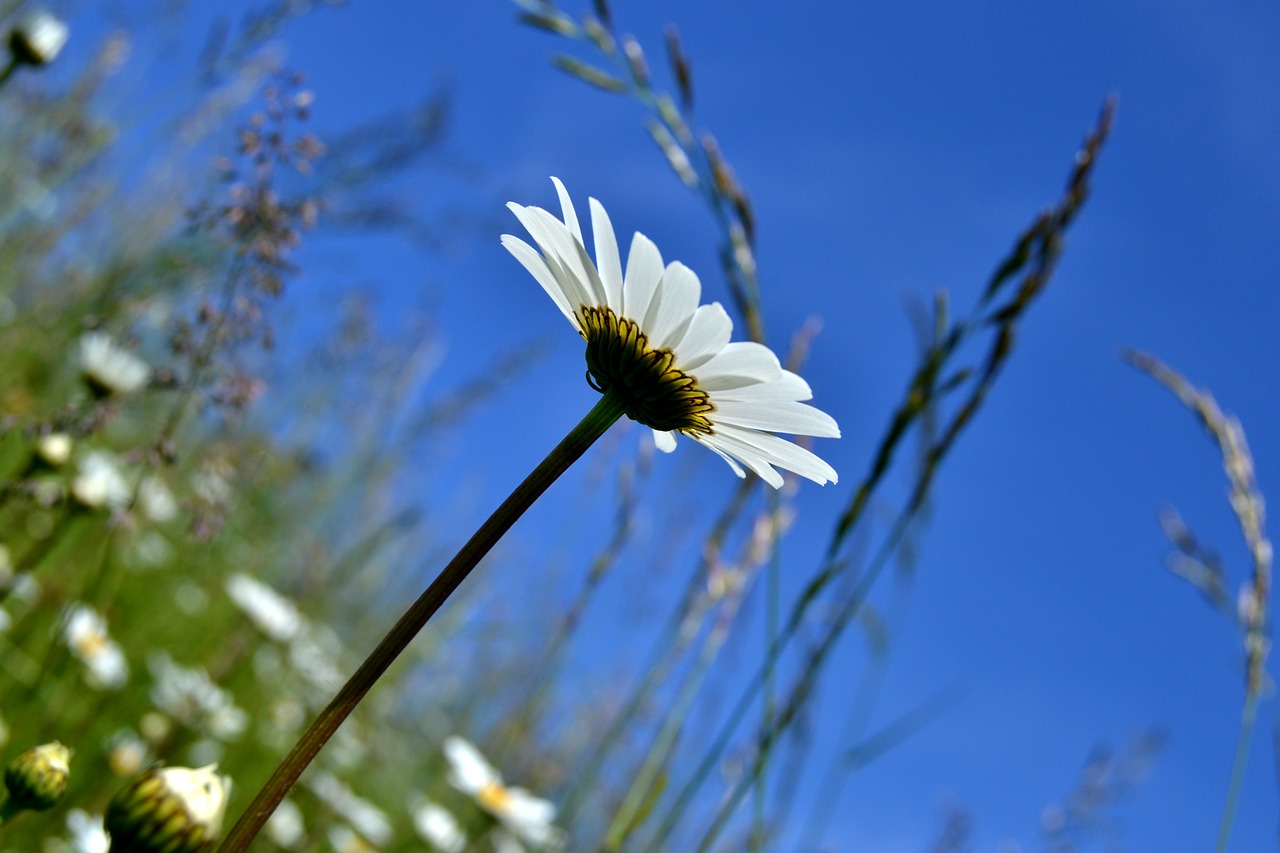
(169, 810)
(54, 449)
(38, 38)
(37, 778)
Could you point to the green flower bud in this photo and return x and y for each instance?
(169, 810)
(37, 778)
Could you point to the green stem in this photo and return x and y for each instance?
(644, 786)
(772, 598)
(1237, 771)
(598, 420)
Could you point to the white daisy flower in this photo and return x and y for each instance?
(85, 633)
(87, 834)
(667, 357)
(99, 482)
(285, 826)
(436, 826)
(109, 368)
(367, 819)
(169, 803)
(156, 501)
(187, 695)
(314, 654)
(275, 615)
(529, 817)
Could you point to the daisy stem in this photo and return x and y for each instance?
(598, 420)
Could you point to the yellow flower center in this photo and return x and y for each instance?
(91, 645)
(656, 392)
(495, 798)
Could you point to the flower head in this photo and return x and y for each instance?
(275, 615)
(156, 501)
(110, 369)
(87, 834)
(189, 696)
(668, 358)
(169, 810)
(436, 826)
(527, 816)
(85, 633)
(37, 778)
(54, 449)
(285, 826)
(38, 38)
(100, 482)
(365, 818)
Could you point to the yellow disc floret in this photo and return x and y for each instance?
(656, 392)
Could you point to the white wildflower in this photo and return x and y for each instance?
(85, 633)
(275, 615)
(529, 817)
(110, 369)
(100, 482)
(187, 695)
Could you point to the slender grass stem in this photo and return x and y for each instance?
(642, 788)
(667, 648)
(598, 420)
(773, 597)
(1247, 719)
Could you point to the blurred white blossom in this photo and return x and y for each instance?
(369, 820)
(187, 695)
(285, 826)
(529, 817)
(38, 37)
(156, 501)
(55, 448)
(100, 482)
(436, 826)
(275, 615)
(87, 834)
(85, 633)
(110, 369)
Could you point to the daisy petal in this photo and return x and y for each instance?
(742, 442)
(789, 417)
(738, 364)
(730, 450)
(673, 306)
(566, 206)
(607, 262)
(664, 441)
(537, 267)
(708, 333)
(644, 274)
(571, 254)
(789, 387)
(555, 241)
(469, 772)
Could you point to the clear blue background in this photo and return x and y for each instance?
(890, 150)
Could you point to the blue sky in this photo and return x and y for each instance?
(891, 150)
